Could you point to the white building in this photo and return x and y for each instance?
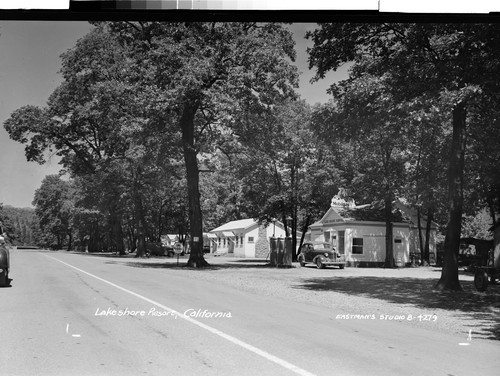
(359, 233)
(245, 238)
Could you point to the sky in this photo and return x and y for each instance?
(29, 64)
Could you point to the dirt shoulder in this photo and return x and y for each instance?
(405, 294)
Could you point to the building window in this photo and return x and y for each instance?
(241, 240)
(250, 239)
(341, 242)
(357, 246)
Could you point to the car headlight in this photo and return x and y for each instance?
(326, 254)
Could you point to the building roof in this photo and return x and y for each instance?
(374, 212)
(244, 224)
(236, 225)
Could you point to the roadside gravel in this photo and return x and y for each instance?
(406, 295)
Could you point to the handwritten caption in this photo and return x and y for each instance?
(153, 312)
(409, 317)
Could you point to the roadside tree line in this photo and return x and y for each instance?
(180, 127)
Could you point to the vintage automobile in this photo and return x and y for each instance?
(4, 263)
(159, 249)
(321, 254)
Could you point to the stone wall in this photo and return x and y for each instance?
(262, 243)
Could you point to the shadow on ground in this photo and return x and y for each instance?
(182, 265)
(480, 311)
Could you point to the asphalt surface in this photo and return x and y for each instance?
(84, 315)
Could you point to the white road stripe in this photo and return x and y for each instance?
(227, 337)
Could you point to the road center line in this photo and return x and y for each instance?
(236, 341)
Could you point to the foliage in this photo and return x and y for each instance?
(22, 225)
(53, 207)
(478, 226)
(452, 63)
(364, 119)
(137, 97)
(205, 79)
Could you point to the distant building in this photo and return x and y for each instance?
(358, 231)
(245, 238)
(169, 240)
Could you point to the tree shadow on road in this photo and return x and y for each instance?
(480, 311)
(182, 265)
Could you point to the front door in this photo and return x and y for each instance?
(399, 251)
(341, 242)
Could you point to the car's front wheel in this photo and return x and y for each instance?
(319, 263)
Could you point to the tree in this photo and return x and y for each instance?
(366, 118)
(53, 203)
(8, 225)
(204, 78)
(452, 61)
(95, 121)
(293, 171)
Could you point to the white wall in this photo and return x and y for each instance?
(373, 236)
(250, 246)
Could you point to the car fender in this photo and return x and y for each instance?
(321, 257)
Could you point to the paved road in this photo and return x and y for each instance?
(84, 315)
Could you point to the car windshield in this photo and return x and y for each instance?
(321, 246)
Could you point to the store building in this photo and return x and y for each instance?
(358, 231)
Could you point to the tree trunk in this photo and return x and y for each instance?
(196, 258)
(430, 216)
(293, 183)
(389, 250)
(117, 231)
(141, 221)
(283, 218)
(294, 238)
(420, 240)
(93, 242)
(70, 239)
(304, 230)
(449, 276)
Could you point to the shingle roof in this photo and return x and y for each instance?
(373, 212)
(236, 225)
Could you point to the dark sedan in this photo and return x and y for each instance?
(321, 254)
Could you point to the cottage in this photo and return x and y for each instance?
(358, 231)
(245, 238)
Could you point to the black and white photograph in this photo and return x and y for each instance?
(248, 193)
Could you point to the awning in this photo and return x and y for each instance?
(228, 234)
(211, 236)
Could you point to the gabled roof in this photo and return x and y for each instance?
(374, 212)
(371, 213)
(241, 224)
(244, 224)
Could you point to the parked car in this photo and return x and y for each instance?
(4, 263)
(158, 249)
(169, 251)
(321, 254)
